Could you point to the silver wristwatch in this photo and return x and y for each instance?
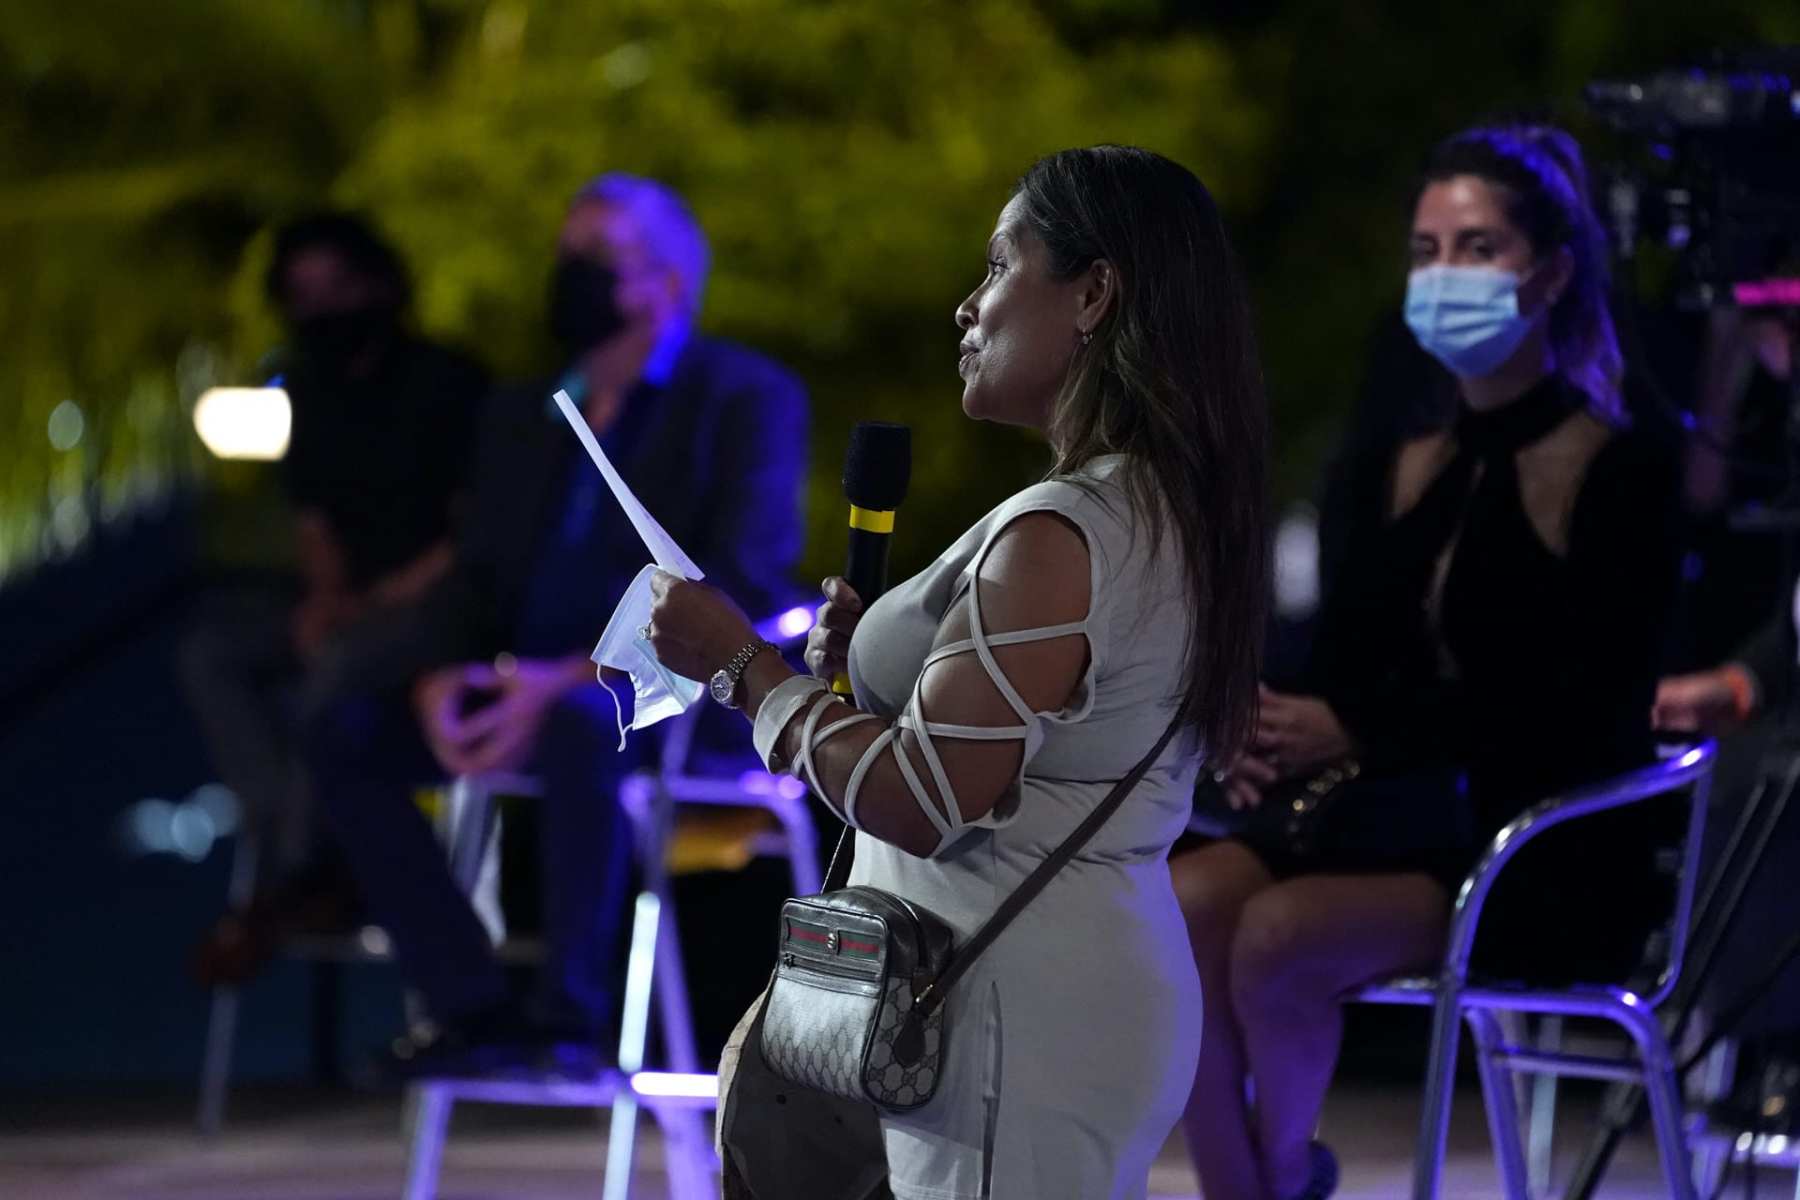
(724, 683)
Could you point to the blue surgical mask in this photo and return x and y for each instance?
(1467, 318)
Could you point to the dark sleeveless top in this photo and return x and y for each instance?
(1454, 636)
(1533, 670)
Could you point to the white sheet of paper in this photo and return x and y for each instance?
(663, 550)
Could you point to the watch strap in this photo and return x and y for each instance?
(740, 662)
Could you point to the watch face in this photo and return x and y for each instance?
(723, 686)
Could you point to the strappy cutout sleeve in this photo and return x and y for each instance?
(959, 747)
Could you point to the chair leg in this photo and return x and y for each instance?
(802, 846)
(1712, 1154)
(1502, 1104)
(1541, 1146)
(1663, 1090)
(215, 1067)
(222, 1012)
(430, 1124)
(634, 1021)
(679, 1050)
(687, 1149)
(1440, 1083)
(621, 1140)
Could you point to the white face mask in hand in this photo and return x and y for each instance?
(659, 692)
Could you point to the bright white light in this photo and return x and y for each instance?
(1297, 564)
(794, 622)
(626, 67)
(67, 424)
(761, 783)
(1744, 1142)
(220, 804)
(1777, 1145)
(148, 825)
(69, 521)
(668, 1083)
(191, 831)
(241, 422)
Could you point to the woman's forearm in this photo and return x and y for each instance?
(880, 802)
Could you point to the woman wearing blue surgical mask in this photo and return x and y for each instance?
(1490, 639)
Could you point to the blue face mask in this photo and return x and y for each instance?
(1467, 318)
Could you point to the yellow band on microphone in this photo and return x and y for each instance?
(840, 684)
(872, 520)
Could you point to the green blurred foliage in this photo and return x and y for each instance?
(847, 160)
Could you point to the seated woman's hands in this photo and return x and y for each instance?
(828, 645)
(1705, 702)
(1295, 735)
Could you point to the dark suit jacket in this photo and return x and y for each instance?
(720, 464)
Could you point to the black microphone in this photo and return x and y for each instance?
(877, 469)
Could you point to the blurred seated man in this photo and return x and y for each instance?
(711, 437)
(382, 441)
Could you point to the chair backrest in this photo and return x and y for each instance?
(1688, 771)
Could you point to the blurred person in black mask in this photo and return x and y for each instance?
(381, 445)
(711, 437)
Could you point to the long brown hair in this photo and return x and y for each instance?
(1171, 380)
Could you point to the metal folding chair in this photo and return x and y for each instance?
(326, 955)
(679, 1094)
(1648, 1062)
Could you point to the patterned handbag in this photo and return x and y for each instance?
(856, 1006)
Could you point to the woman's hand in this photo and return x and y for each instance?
(695, 628)
(1246, 780)
(828, 645)
(1296, 735)
(515, 695)
(1706, 702)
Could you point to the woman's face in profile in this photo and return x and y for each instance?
(1019, 329)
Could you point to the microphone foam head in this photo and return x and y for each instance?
(878, 465)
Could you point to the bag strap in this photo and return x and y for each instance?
(838, 873)
(932, 996)
(1027, 891)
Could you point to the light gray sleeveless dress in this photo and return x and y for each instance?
(1073, 1042)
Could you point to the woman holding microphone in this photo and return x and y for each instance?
(1001, 693)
